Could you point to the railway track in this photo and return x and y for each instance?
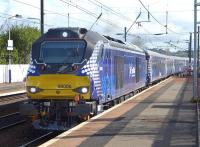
(12, 97)
(41, 139)
(11, 120)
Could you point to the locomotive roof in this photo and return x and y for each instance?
(76, 32)
(135, 47)
(124, 45)
(153, 53)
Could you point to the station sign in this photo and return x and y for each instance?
(10, 45)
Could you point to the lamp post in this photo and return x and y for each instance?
(10, 45)
(195, 78)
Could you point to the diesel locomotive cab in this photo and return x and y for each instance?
(56, 59)
(58, 91)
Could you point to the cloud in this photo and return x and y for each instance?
(180, 15)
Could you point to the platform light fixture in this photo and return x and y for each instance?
(10, 44)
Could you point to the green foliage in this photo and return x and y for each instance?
(23, 37)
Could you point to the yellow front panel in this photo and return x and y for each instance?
(51, 85)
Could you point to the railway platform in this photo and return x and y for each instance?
(160, 116)
(7, 89)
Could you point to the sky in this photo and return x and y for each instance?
(115, 16)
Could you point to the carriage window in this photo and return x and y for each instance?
(62, 51)
(101, 52)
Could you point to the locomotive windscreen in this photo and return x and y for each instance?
(62, 51)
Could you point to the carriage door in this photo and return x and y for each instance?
(108, 74)
(137, 68)
(119, 72)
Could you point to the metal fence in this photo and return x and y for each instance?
(18, 72)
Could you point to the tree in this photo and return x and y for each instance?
(23, 37)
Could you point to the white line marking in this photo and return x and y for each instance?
(12, 93)
(95, 117)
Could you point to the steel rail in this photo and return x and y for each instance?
(11, 124)
(37, 139)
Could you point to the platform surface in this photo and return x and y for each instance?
(7, 89)
(162, 116)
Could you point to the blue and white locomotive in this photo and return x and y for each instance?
(73, 70)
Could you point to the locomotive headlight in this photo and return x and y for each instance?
(64, 34)
(33, 89)
(82, 90)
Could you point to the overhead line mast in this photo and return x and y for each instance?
(42, 17)
(195, 78)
